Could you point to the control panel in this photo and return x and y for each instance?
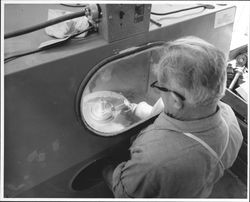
(120, 21)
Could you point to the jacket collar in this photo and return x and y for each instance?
(165, 122)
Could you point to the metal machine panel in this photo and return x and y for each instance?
(120, 21)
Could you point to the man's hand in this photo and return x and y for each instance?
(142, 110)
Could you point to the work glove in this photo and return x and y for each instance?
(142, 110)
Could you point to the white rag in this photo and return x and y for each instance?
(66, 28)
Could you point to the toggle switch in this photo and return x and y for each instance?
(121, 14)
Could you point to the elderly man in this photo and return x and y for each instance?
(195, 137)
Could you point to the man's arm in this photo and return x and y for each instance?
(107, 174)
(132, 178)
(143, 110)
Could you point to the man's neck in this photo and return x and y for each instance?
(195, 113)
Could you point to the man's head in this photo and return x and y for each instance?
(194, 69)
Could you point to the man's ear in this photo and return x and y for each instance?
(178, 102)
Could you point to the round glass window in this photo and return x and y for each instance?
(112, 93)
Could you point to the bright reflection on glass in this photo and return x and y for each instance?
(109, 98)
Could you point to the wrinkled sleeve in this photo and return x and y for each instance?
(134, 178)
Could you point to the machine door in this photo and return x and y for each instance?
(108, 93)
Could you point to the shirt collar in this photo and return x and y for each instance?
(168, 123)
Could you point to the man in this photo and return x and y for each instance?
(196, 137)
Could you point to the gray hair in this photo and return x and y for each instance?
(196, 66)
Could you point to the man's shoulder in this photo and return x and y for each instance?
(226, 110)
(228, 115)
(171, 144)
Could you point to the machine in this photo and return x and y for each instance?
(68, 106)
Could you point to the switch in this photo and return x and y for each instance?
(139, 13)
(121, 14)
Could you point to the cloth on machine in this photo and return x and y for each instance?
(66, 28)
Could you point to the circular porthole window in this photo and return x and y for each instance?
(114, 87)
